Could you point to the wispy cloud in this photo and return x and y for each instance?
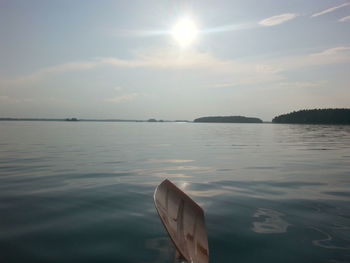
(135, 32)
(283, 84)
(330, 9)
(277, 20)
(8, 99)
(305, 84)
(336, 55)
(169, 59)
(278, 85)
(223, 85)
(117, 88)
(344, 19)
(46, 72)
(232, 72)
(165, 60)
(227, 28)
(126, 97)
(331, 52)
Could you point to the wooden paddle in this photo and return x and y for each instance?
(184, 221)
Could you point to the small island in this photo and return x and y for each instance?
(71, 119)
(229, 119)
(315, 116)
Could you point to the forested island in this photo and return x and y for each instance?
(316, 116)
(229, 119)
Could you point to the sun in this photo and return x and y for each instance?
(185, 32)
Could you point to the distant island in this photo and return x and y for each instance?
(229, 119)
(71, 119)
(315, 116)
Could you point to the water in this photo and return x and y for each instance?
(83, 191)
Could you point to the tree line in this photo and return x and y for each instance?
(315, 116)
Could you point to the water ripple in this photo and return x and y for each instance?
(273, 222)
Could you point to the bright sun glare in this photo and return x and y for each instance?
(185, 32)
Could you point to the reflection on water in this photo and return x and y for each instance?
(169, 161)
(330, 241)
(83, 192)
(179, 171)
(164, 247)
(273, 222)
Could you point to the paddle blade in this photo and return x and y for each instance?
(184, 221)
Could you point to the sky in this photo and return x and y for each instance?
(119, 59)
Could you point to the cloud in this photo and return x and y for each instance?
(125, 97)
(117, 88)
(285, 84)
(49, 71)
(305, 84)
(335, 55)
(165, 60)
(135, 32)
(8, 99)
(223, 85)
(344, 19)
(231, 72)
(330, 9)
(277, 20)
(331, 52)
(227, 28)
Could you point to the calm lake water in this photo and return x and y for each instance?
(83, 191)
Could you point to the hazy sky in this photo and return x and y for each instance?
(118, 59)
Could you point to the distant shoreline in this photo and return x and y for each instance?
(314, 116)
(84, 120)
(145, 121)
